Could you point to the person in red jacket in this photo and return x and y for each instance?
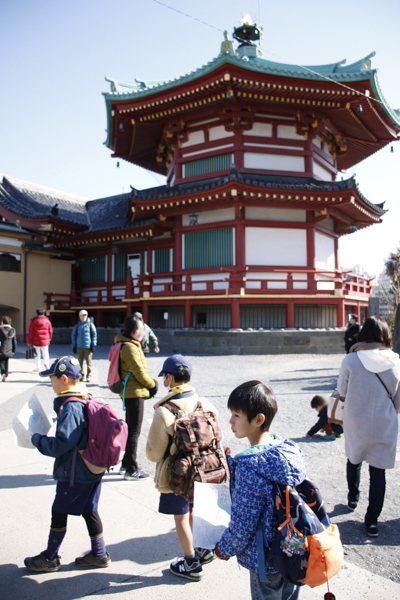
(39, 335)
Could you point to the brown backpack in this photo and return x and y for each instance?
(200, 455)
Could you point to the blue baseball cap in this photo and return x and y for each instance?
(173, 362)
(66, 365)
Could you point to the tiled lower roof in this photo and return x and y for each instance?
(35, 202)
(261, 181)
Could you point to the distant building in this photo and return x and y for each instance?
(245, 233)
(382, 291)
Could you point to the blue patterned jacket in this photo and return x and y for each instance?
(252, 496)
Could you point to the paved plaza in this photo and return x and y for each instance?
(141, 541)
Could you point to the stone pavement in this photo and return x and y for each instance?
(141, 541)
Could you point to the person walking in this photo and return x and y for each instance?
(84, 341)
(369, 381)
(149, 336)
(8, 345)
(351, 333)
(40, 333)
(140, 387)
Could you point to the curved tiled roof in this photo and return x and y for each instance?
(32, 201)
(262, 181)
(108, 213)
(356, 71)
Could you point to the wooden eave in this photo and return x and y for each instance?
(144, 118)
(344, 206)
(43, 226)
(105, 237)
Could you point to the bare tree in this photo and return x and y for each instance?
(392, 295)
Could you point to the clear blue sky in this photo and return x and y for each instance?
(56, 54)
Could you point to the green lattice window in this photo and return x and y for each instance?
(93, 269)
(162, 261)
(208, 248)
(119, 267)
(207, 165)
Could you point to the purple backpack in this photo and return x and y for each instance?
(107, 436)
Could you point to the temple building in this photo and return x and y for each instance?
(245, 232)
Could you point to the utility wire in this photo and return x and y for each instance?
(186, 15)
(347, 87)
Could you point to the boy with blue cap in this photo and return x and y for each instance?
(77, 495)
(176, 373)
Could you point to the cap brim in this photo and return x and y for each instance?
(46, 373)
(160, 373)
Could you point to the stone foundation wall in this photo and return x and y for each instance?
(231, 342)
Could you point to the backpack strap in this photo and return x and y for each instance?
(76, 449)
(260, 553)
(388, 393)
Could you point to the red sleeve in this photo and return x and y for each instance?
(29, 340)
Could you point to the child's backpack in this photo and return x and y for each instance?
(200, 455)
(115, 383)
(107, 436)
(306, 548)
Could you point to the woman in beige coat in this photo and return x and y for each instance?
(176, 373)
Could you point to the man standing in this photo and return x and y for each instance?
(84, 340)
(149, 336)
(40, 333)
(351, 333)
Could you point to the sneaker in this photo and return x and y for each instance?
(4, 377)
(372, 530)
(352, 505)
(329, 438)
(338, 436)
(89, 560)
(136, 476)
(204, 555)
(181, 568)
(122, 470)
(41, 564)
(87, 379)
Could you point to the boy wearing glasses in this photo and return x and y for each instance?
(176, 373)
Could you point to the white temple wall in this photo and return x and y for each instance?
(275, 246)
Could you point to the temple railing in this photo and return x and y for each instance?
(251, 281)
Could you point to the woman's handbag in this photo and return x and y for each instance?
(31, 352)
(335, 408)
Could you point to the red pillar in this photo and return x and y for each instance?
(308, 159)
(129, 309)
(340, 314)
(240, 253)
(99, 318)
(188, 315)
(145, 311)
(235, 313)
(290, 314)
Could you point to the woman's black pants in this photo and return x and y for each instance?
(134, 417)
(377, 487)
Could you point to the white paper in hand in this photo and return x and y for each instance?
(31, 419)
(211, 513)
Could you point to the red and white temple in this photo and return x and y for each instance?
(245, 233)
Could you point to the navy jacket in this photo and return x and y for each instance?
(72, 430)
(252, 473)
(322, 421)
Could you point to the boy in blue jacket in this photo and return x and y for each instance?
(77, 497)
(270, 458)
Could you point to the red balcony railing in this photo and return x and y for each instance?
(249, 281)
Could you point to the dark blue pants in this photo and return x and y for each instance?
(377, 487)
(134, 417)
